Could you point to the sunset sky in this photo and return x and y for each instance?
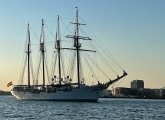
(132, 30)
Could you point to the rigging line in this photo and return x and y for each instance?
(71, 67)
(93, 62)
(69, 63)
(32, 70)
(113, 59)
(120, 82)
(97, 65)
(34, 33)
(93, 73)
(101, 52)
(35, 69)
(109, 55)
(85, 65)
(34, 44)
(107, 69)
(35, 74)
(85, 25)
(62, 64)
(83, 32)
(38, 67)
(88, 49)
(24, 59)
(81, 19)
(50, 30)
(47, 70)
(55, 64)
(54, 59)
(33, 49)
(67, 28)
(105, 62)
(72, 63)
(65, 41)
(90, 67)
(49, 42)
(81, 70)
(31, 65)
(23, 70)
(88, 45)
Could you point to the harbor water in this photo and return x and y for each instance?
(104, 109)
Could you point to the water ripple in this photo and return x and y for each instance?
(106, 109)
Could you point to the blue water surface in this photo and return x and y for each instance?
(105, 109)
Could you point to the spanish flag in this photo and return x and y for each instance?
(9, 84)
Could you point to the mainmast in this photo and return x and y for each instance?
(76, 37)
(28, 54)
(77, 45)
(58, 47)
(42, 49)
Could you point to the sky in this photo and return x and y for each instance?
(132, 30)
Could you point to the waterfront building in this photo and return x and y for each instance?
(162, 92)
(124, 92)
(137, 84)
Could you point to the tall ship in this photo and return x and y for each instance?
(63, 85)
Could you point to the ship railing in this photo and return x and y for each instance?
(46, 88)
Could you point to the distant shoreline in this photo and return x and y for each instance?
(9, 93)
(5, 92)
(133, 97)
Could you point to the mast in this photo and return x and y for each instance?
(77, 45)
(42, 49)
(58, 47)
(76, 37)
(28, 54)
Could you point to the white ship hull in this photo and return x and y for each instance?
(77, 94)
